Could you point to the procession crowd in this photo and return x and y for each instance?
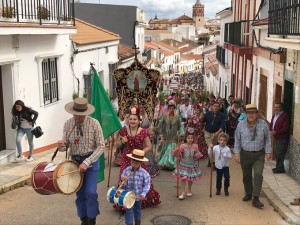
(184, 133)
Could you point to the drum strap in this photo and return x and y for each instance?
(55, 153)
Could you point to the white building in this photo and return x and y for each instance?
(35, 67)
(224, 56)
(95, 45)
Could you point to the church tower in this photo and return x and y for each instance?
(198, 14)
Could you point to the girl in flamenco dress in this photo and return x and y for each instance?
(188, 170)
(135, 137)
(196, 123)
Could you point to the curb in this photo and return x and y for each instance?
(278, 206)
(20, 182)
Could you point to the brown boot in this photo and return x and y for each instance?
(256, 203)
(226, 192)
(137, 222)
(218, 192)
(247, 198)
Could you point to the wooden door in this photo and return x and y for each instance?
(262, 104)
(278, 93)
(2, 125)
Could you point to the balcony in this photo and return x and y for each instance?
(236, 34)
(284, 17)
(37, 12)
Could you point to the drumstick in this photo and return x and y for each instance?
(73, 171)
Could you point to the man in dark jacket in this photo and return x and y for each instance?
(214, 125)
(279, 129)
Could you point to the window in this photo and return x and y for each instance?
(88, 86)
(50, 81)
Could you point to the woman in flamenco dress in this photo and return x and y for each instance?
(196, 123)
(169, 128)
(135, 137)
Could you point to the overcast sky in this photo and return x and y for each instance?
(169, 9)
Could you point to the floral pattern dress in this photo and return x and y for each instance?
(199, 138)
(169, 129)
(188, 170)
(137, 142)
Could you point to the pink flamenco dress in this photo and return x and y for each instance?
(137, 142)
(188, 170)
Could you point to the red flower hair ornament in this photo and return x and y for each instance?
(135, 111)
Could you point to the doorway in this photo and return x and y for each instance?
(2, 121)
(288, 101)
(262, 104)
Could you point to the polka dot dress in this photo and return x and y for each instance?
(137, 142)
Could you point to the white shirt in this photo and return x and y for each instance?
(276, 117)
(222, 156)
(185, 111)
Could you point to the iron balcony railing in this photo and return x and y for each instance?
(38, 11)
(284, 17)
(237, 33)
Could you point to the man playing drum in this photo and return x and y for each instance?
(83, 135)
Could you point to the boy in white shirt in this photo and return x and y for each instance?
(221, 155)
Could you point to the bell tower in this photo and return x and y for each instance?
(198, 14)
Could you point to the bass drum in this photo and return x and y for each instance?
(49, 178)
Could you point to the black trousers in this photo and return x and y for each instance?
(220, 173)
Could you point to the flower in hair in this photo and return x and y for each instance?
(190, 130)
(135, 111)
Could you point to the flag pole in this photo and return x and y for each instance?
(178, 174)
(110, 161)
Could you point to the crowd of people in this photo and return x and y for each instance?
(183, 132)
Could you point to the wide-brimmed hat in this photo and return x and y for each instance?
(138, 155)
(80, 107)
(171, 103)
(251, 108)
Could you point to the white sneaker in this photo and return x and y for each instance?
(189, 194)
(29, 159)
(181, 197)
(19, 157)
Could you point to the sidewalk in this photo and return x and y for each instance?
(16, 174)
(279, 189)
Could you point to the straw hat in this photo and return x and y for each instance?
(251, 108)
(138, 155)
(80, 107)
(171, 103)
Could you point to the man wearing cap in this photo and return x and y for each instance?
(251, 147)
(83, 135)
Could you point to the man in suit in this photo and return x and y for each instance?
(279, 129)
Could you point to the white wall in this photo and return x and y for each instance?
(25, 81)
(101, 57)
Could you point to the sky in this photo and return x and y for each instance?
(169, 9)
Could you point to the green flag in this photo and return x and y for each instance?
(104, 113)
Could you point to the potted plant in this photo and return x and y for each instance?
(43, 13)
(75, 95)
(8, 12)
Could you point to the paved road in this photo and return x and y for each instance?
(24, 206)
